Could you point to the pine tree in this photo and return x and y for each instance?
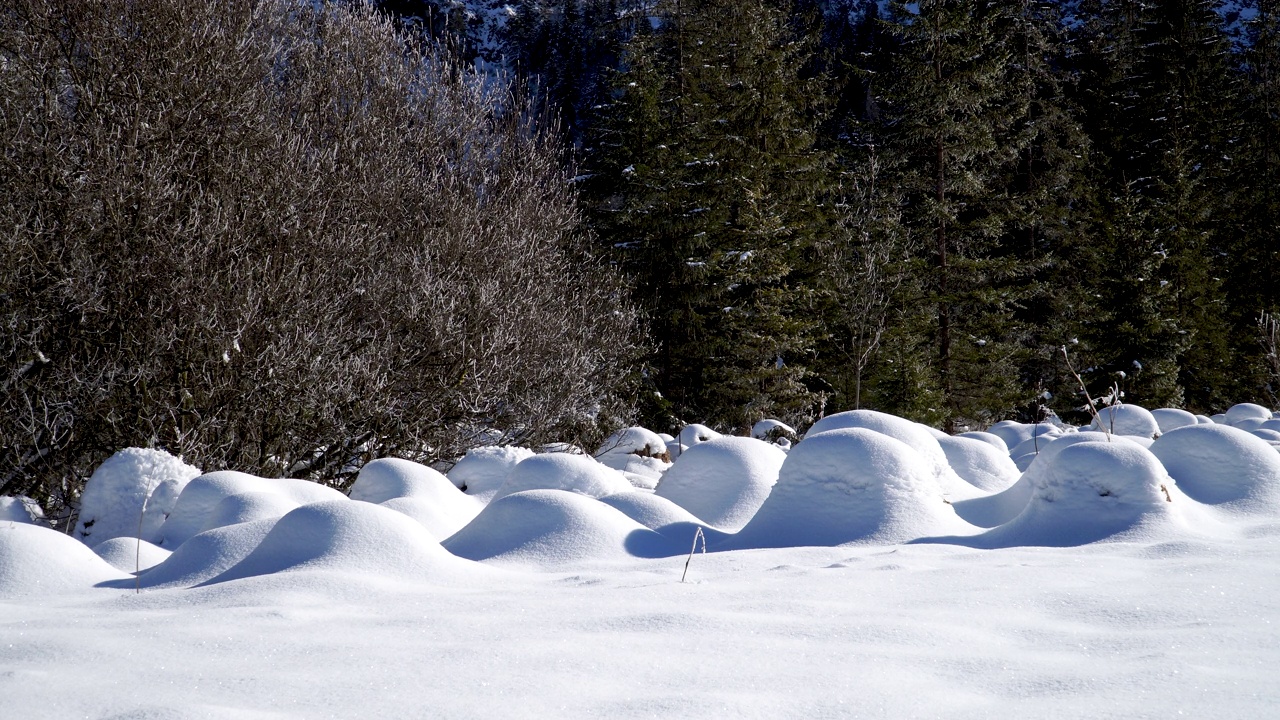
(706, 176)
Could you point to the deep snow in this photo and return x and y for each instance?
(889, 571)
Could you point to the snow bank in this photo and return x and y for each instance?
(1126, 420)
(555, 528)
(348, 537)
(1222, 465)
(37, 561)
(483, 470)
(1086, 492)
(723, 481)
(557, 471)
(113, 496)
(20, 509)
(1171, 418)
(849, 485)
(130, 554)
(983, 465)
(918, 437)
(202, 495)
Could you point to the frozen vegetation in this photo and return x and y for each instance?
(875, 568)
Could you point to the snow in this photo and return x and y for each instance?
(919, 438)
(416, 491)
(1126, 420)
(37, 562)
(483, 470)
(991, 439)
(1014, 433)
(982, 464)
(201, 498)
(723, 481)
(558, 471)
(1222, 465)
(770, 429)
(1246, 411)
(112, 503)
(1170, 418)
(131, 554)
(639, 454)
(1109, 580)
(691, 435)
(850, 485)
(20, 509)
(555, 529)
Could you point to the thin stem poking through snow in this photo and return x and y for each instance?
(696, 537)
(137, 553)
(1093, 410)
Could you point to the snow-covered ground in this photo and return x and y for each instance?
(1115, 577)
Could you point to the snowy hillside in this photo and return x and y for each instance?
(876, 568)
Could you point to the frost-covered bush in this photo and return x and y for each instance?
(278, 237)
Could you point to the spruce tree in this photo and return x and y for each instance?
(704, 177)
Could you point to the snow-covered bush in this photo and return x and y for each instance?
(114, 496)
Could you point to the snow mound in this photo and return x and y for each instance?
(991, 439)
(850, 485)
(1014, 433)
(723, 481)
(247, 507)
(557, 471)
(202, 495)
(417, 491)
(916, 436)
(1222, 465)
(1246, 411)
(691, 435)
(440, 516)
(37, 561)
(1086, 492)
(770, 430)
(639, 454)
(129, 554)
(983, 465)
(1271, 436)
(555, 528)
(1126, 420)
(664, 517)
(1171, 418)
(1272, 424)
(208, 554)
(20, 509)
(483, 470)
(349, 537)
(114, 495)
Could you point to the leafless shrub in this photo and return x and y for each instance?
(275, 237)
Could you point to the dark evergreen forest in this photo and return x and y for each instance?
(935, 209)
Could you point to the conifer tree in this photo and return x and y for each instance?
(705, 176)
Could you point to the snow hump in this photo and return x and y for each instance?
(559, 471)
(483, 470)
(113, 497)
(1220, 464)
(850, 485)
(202, 496)
(723, 481)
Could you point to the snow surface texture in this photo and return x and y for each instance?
(723, 481)
(112, 503)
(483, 470)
